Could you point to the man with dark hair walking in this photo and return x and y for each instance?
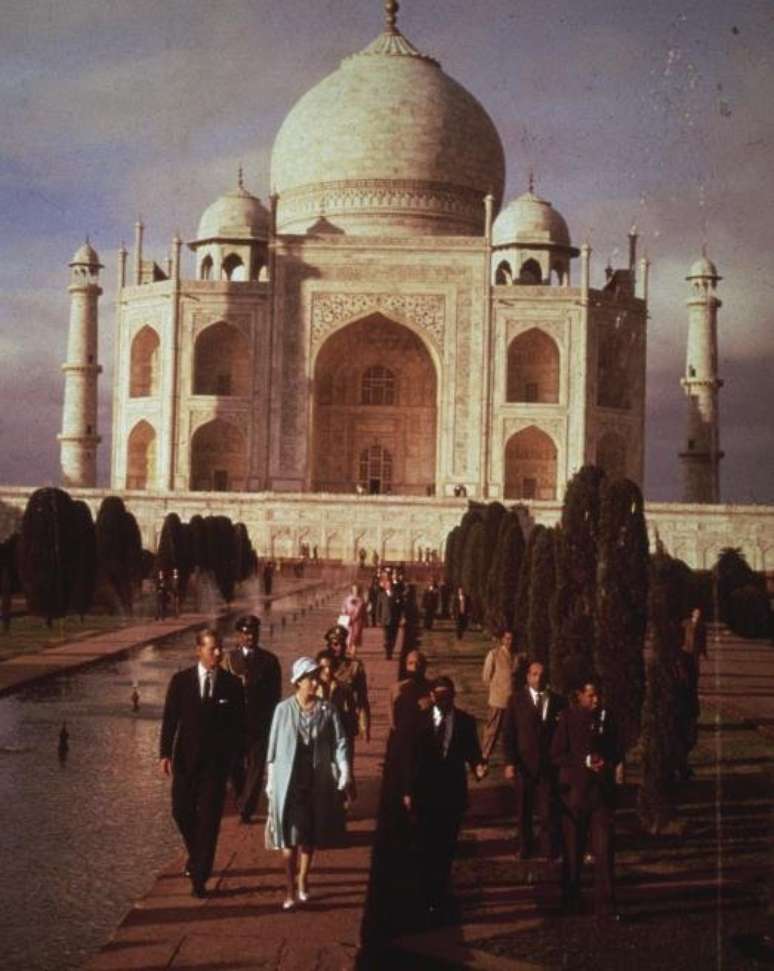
(586, 750)
(202, 731)
(261, 676)
(529, 723)
(436, 755)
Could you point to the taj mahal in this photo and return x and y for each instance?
(350, 360)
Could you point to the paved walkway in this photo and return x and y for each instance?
(504, 903)
(26, 668)
(738, 677)
(242, 925)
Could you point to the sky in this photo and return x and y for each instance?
(657, 113)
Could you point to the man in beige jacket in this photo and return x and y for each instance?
(499, 667)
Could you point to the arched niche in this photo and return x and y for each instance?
(533, 368)
(530, 465)
(221, 362)
(218, 458)
(205, 270)
(234, 268)
(141, 457)
(375, 392)
(530, 273)
(144, 364)
(503, 273)
(611, 455)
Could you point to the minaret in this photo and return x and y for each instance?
(79, 438)
(701, 456)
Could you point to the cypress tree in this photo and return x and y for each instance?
(542, 588)
(449, 558)
(473, 560)
(494, 514)
(521, 600)
(46, 553)
(659, 733)
(9, 577)
(504, 574)
(574, 637)
(198, 543)
(119, 551)
(84, 560)
(220, 554)
(623, 566)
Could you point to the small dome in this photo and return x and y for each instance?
(236, 215)
(703, 267)
(86, 254)
(531, 220)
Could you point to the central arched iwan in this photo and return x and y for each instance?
(375, 394)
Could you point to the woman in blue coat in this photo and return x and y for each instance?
(307, 772)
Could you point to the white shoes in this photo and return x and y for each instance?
(303, 896)
(288, 904)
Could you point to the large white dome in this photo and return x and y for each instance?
(387, 144)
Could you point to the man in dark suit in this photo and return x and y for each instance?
(528, 728)
(430, 605)
(586, 750)
(202, 731)
(388, 611)
(436, 757)
(261, 677)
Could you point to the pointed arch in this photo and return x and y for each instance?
(530, 273)
(141, 456)
(221, 362)
(503, 273)
(144, 364)
(218, 458)
(530, 465)
(234, 268)
(375, 388)
(533, 368)
(205, 269)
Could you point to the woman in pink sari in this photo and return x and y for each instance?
(354, 607)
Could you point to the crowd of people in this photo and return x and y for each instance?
(224, 720)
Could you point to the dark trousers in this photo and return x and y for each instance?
(249, 782)
(537, 797)
(578, 828)
(437, 831)
(429, 618)
(462, 625)
(390, 636)
(197, 808)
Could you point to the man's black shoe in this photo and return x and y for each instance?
(198, 890)
(245, 819)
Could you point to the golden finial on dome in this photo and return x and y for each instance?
(240, 177)
(391, 8)
(531, 183)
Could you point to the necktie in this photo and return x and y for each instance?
(208, 686)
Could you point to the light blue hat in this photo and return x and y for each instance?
(303, 667)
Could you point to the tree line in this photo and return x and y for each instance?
(581, 595)
(64, 560)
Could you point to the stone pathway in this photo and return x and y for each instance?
(242, 925)
(504, 903)
(27, 668)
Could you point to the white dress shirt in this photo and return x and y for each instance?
(203, 672)
(448, 727)
(541, 703)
